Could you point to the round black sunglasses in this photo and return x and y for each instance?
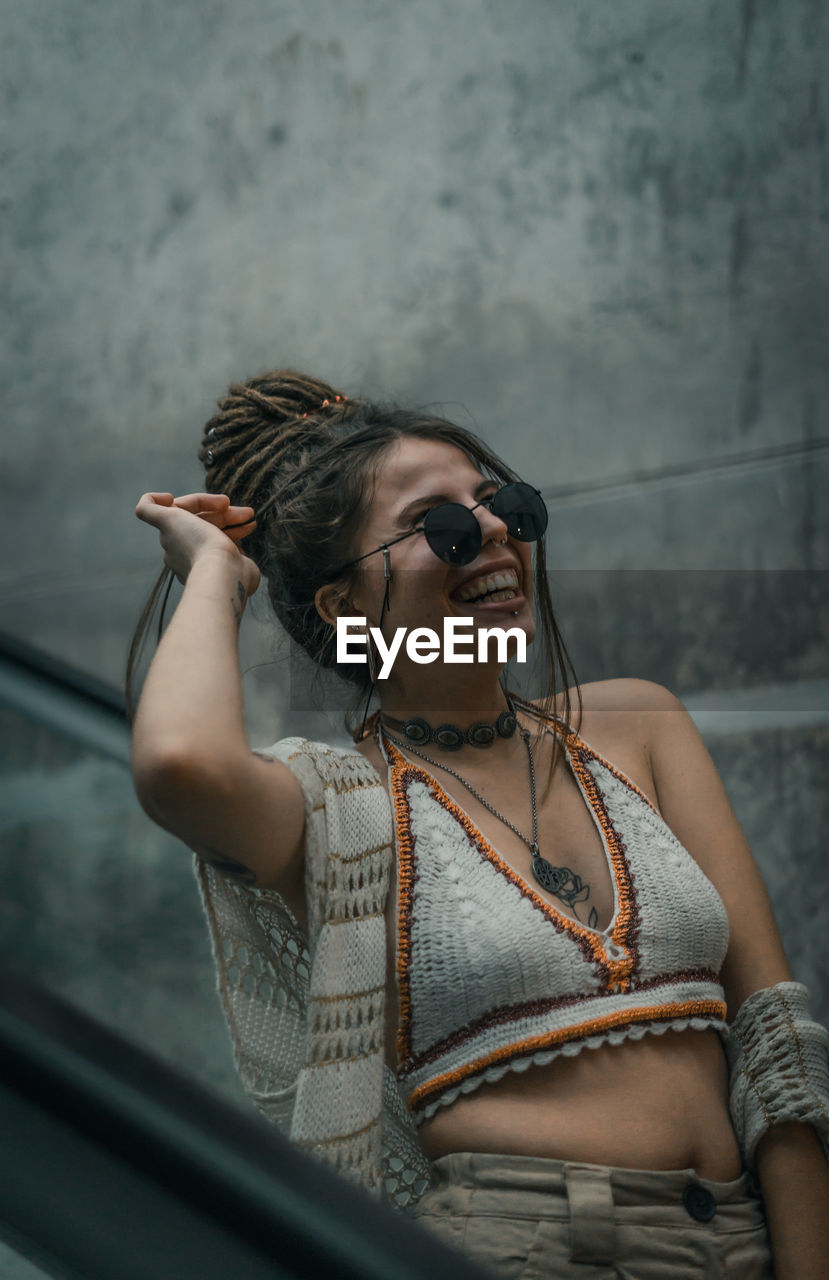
(454, 534)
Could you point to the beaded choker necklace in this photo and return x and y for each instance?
(418, 732)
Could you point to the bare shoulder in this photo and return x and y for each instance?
(626, 696)
(617, 721)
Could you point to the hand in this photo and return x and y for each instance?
(198, 524)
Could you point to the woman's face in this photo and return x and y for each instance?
(414, 475)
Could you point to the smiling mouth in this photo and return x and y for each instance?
(493, 597)
(490, 588)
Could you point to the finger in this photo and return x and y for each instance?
(159, 499)
(198, 502)
(239, 531)
(239, 518)
(230, 517)
(225, 520)
(149, 503)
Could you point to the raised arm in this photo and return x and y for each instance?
(193, 769)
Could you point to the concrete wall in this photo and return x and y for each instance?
(598, 231)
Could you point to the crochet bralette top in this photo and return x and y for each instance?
(493, 978)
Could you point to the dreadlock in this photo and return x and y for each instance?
(304, 456)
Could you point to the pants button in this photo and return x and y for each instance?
(699, 1202)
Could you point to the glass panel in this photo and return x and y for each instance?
(99, 904)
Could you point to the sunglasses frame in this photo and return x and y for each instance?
(421, 528)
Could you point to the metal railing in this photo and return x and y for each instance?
(117, 1167)
(70, 701)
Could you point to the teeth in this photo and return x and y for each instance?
(493, 582)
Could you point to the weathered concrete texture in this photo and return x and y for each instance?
(771, 516)
(695, 630)
(776, 782)
(601, 228)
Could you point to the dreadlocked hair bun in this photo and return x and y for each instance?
(274, 421)
(276, 445)
(305, 457)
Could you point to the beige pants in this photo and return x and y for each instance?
(534, 1219)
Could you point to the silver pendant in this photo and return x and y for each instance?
(560, 881)
(549, 877)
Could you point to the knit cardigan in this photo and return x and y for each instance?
(306, 1013)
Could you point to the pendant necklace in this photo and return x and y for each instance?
(560, 881)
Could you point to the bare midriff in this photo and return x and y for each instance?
(656, 1103)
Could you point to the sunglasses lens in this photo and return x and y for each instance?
(522, 509)
(453, 533)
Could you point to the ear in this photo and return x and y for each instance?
(331, 602)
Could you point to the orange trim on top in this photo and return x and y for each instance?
(590, 943)
(405, 883)
(624, 925)
(571, 737)
(548, 1039)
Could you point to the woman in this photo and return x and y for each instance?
(487, 891)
